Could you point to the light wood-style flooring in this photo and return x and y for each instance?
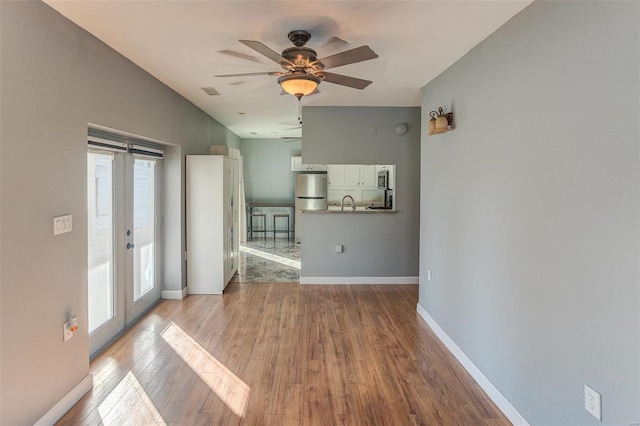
(284, 354)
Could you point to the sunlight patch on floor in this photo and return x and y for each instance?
(226, 385)
(128, 403)
(269, 256)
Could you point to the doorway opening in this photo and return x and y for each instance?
(272, 260)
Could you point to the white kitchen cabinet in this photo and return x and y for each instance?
(317, 167)
(358, 180)
(212, 222)
(352, 176)
(368, 177)
(335, 175)
(297, 166)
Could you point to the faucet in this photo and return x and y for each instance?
(353, 203)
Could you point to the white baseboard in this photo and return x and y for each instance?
(358, 280)
(67, 401)
(174, 294)
(492, 392)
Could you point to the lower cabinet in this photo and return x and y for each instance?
(212, 222)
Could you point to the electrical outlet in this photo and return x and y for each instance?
(69, 327)
(593, 402)
(339, 248)
(66, 331)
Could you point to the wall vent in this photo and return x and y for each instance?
(210, 91)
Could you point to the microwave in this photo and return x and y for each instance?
(383, 179)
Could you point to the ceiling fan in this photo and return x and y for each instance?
(303, 71)
(289, 139)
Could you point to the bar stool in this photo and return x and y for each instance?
(276, 230)
(262, 216)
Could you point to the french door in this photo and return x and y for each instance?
(124, 234)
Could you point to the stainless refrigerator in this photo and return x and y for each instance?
(311, 194)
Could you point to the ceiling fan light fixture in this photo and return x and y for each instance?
(299, 85)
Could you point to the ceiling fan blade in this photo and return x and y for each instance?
(334, 43)
(248, 74)
(266, 51)
(359, 54)
(239, 55)
(344, 80)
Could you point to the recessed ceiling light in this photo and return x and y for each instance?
(242, 113)
(253, 133)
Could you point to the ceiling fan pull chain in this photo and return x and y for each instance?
(300, 110)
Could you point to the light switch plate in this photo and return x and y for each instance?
(62, 224)
(593, 402)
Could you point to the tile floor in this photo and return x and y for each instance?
(268, 261)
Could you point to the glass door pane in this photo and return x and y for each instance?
(144, 208)
(101, 262)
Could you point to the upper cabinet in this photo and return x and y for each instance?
(361, 176)
(336, 175)
(368, 176)
(297, 166)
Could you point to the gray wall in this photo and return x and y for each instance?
(375, 245)
(56, 79)
(530, 210)
(267, 169)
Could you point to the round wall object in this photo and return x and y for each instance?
(402, 128)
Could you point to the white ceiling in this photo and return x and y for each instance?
(179, 42)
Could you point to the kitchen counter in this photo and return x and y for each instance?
(360, 209)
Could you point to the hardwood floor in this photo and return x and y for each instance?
(284, 354)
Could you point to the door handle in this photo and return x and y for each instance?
(130, 246)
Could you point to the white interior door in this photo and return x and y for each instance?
(124, 235)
